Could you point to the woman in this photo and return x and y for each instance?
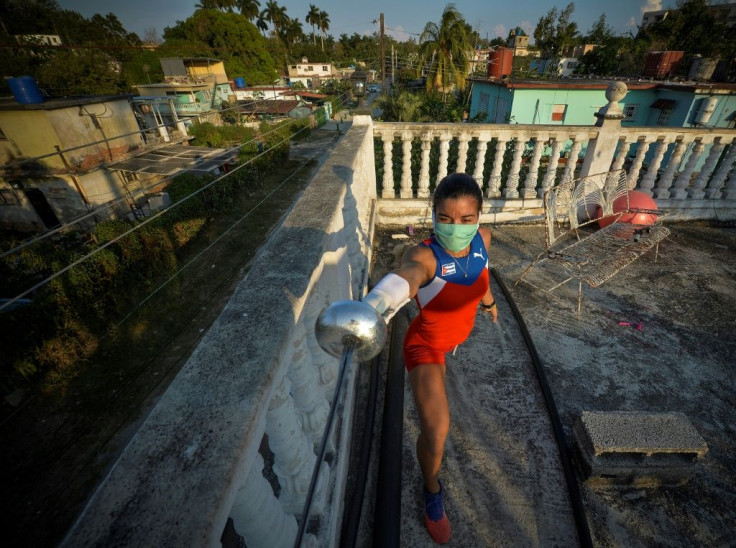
(448, 276)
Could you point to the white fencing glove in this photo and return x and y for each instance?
(389, 295)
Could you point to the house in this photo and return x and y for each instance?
(197, 85)
(574, 102)
(52, 154)
(250, 93)
(311, 74)
(724, 12)
(63, 159)
(518, 41)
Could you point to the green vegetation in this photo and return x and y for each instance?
(49, 341)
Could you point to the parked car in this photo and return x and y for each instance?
(373, 88)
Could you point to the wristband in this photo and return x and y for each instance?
(488, 306)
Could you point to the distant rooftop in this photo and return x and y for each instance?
(9, 103)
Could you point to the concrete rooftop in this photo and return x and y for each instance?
(502, 472)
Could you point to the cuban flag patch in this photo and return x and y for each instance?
(448, 269)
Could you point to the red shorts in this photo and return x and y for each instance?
(418, 352)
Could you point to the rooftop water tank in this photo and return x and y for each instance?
(500, 62)
(240, 82)
(25, 90)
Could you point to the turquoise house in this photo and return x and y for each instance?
(575, 101)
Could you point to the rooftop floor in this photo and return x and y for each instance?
(501, 471)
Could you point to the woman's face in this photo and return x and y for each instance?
(462, 210)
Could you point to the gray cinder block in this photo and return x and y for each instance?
(637, 448)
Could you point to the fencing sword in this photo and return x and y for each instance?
(344, 329)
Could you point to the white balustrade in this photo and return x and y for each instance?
(715, 186)
(647, 183)
(480, 158)
(530, 183)
(494, 183)
(269, 525)
(423, 190)
(665, 180)
(698, 187)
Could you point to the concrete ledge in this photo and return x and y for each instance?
(640, 448)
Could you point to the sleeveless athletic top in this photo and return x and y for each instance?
(448, 302)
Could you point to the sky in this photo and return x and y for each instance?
(402, 19)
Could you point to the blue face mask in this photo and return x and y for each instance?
(454, 237)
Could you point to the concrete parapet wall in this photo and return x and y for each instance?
(257, 370)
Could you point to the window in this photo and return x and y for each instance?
(664, 116)
(484, 98)
(558, 113)
(572, 64)
(310, 68)
(325, 68)
(630, 112)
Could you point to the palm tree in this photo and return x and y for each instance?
(445, 48)
(324, 25)
(250, 9)
(313, 19)
(261, 23)
(276, 15)
(293, 31)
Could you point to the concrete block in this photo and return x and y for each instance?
(637, 448)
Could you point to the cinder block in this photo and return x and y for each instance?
(637, 448)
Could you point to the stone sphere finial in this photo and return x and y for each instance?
(612, 111)
(616, 91)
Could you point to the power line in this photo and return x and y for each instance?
(150, 219)
(121, 199)
(138, 226)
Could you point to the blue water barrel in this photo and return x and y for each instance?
(240, 82)
(25, 90)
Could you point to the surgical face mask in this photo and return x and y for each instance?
(454, 237)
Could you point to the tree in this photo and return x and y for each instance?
(262, 23)
(444, 49)
(250, 9)
(276, 15)
(312, 18)
(293, 32)
(324, 25)
(227, 36)
(555, 32)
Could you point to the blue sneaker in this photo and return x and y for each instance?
(435, 518)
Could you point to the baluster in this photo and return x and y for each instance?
(323, 362)
(512, 183)
(697, 191)
(530, 183)
(462, 152)
(494, 183)
(665, 181)
(406, 191)
(388, 169)
(729, 193)
(572, 159)
(623, 150)
(648, 182)
(444, 155)
(293, 456)
(305, 389)
(423, 190)
(683, 180)
(554, 160)
(716, 183)
(641, 151)
(258, 515)
(480, 159)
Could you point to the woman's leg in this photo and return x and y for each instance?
(428, 387)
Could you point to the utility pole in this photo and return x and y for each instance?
(383, 59)
(393, 66)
